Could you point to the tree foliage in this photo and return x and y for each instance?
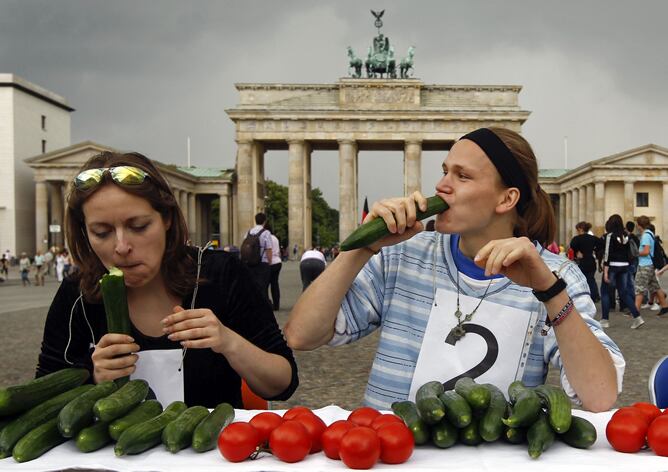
(325, 219)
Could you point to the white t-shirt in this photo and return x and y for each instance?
(275, 251)
(314, 254)
(265, 241)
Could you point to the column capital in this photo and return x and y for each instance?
(346, 141)
(413, 141)
(292, 141)
(242, 141)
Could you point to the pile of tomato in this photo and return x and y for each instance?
(359, 441)
(633, 427)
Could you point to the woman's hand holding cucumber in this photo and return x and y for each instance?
(400, 217)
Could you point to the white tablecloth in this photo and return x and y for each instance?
(499, 456)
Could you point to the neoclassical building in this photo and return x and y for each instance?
(353, 115)
(195, 189)
(629, 183)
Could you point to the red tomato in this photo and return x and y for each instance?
(360, 448)
(290, 442)
(265, 423)
(396, 443)
(315, 427)
(626, 433)
(632, 411)
(294, 411)
(657, 435)
(331, 438)
(649, 409)
(238, 441)
(363, 416)
(382, 420)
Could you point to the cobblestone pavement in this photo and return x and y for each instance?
(327, 375)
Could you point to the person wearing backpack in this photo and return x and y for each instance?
(584, 245)
(634, 245)
(256, 252)
(646, 277)
(615, 271)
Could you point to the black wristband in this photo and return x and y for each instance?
(554, 290)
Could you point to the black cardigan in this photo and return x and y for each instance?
(229, 291)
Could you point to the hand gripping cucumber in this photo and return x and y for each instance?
(373, 230)
(116, 309)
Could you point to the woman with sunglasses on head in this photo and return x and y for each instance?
(478, 297)
(199, 324)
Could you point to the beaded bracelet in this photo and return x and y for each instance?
(561, 316)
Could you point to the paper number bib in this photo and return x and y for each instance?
(493, 350)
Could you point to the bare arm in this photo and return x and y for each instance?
(311, 322)
(588, 365)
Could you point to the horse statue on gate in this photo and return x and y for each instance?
(380, 59)
(354, 64)
(406, 64)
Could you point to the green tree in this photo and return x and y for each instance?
(325, 221)
(276, 208)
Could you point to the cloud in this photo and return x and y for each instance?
(146, 75)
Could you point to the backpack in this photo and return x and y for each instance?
(251, 249)
(634, 252)
(659, 256)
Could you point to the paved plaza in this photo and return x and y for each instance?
(327, 375)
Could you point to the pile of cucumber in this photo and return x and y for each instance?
(43, 413)
(474, 413)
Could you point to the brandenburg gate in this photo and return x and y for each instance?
(352, 115)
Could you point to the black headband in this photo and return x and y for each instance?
(504, 161)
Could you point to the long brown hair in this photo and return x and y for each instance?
(157, 192)
(537, 222)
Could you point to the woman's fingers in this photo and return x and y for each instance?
(116, 363)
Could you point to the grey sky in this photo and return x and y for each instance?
(145, 75)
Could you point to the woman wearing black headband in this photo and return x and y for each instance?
(478, 297)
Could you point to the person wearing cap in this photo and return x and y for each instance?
(479, 297)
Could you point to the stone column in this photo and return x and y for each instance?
(56, 194)
(296, 197)
(347, 188)
(308, 207)
(183, 204)
(41, 215)
(412, 167)
(192, 219)
(224, 217)
(664, 216)
(590, 204)
(576, 209)
(561, 223)
(200, 234)
(569, 217)
(599, 207)
(246, 196)
(257, 162)
(629, 200)
(582, 212)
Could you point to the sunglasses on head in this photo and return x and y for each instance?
(124, 175)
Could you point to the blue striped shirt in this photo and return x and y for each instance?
(395, 291)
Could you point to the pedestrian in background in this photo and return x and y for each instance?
(60, 266)
(38, 261)
(4, 266)
(24, 269)
(616, 270)
(646, 278)
(275, 269)
(256, 252)
(311, 266)
(584, 246)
